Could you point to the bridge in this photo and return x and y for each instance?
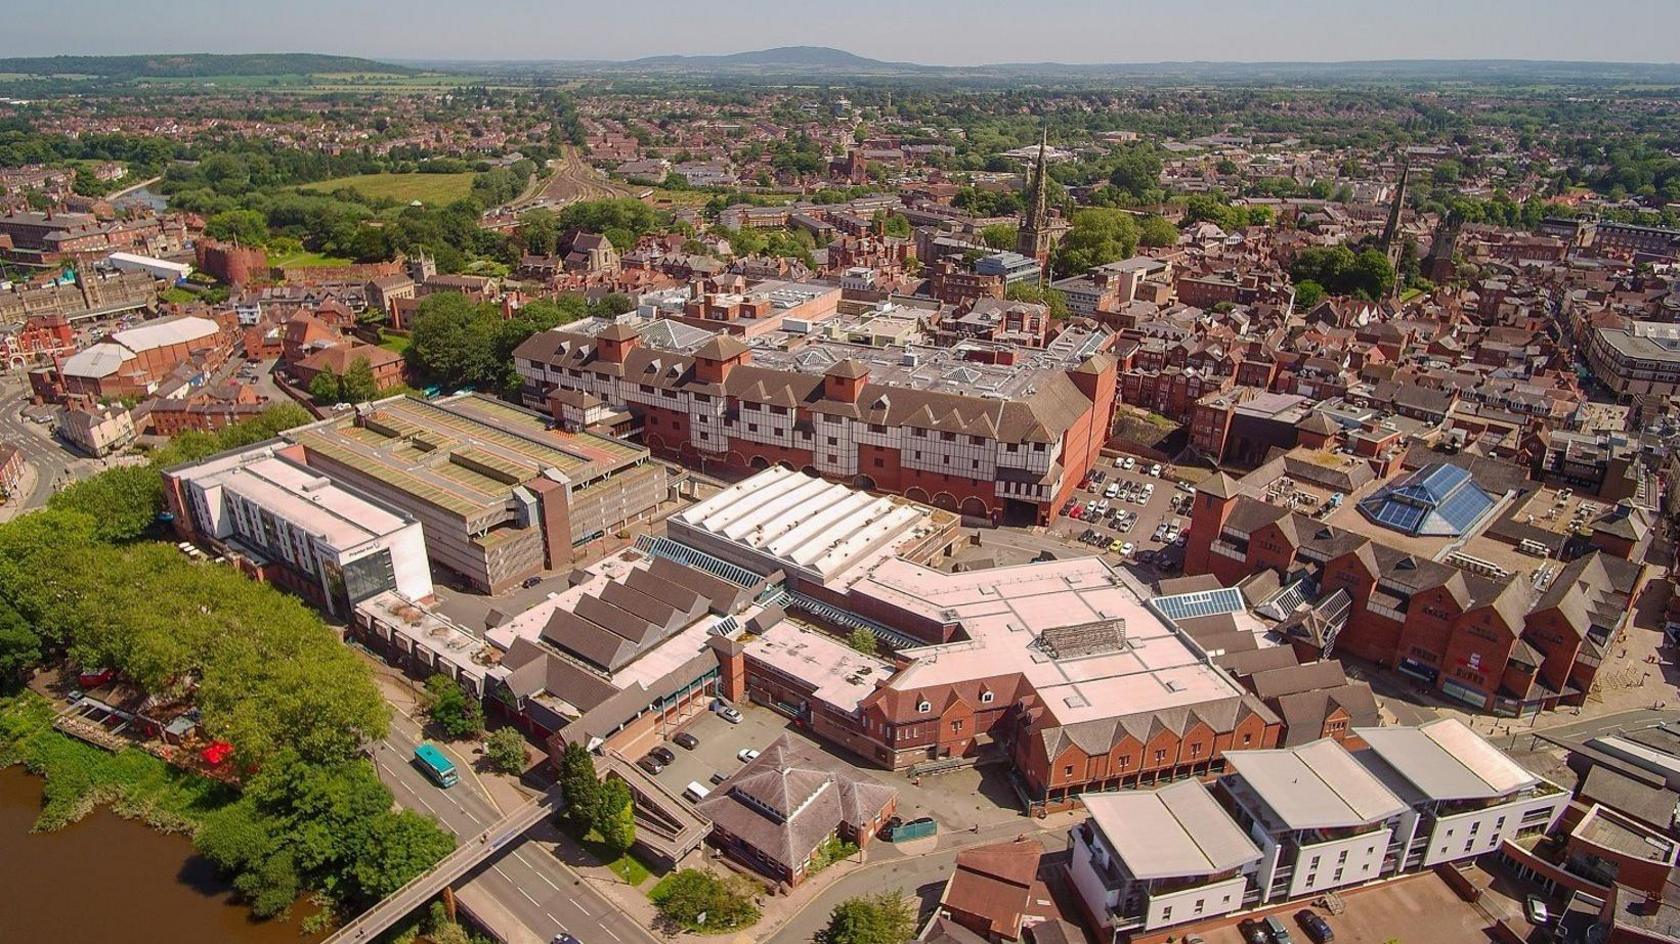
(472, 853)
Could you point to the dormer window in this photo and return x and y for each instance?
(923, 706)
(987, 698)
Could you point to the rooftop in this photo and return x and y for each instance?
(1036, 620)
(841, 675)
(339, 518)
(1172, 832)
(1315, 786)
(1445, 760)
(466, 454)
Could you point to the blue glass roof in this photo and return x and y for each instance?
(1436, 500)
(1201, 603)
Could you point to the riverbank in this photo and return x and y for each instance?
(80, 777)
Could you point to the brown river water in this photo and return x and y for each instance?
(110, 879)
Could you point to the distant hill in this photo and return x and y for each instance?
(793, 61)
(191, 65)
(824, 58)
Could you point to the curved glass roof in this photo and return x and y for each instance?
(1438, 500)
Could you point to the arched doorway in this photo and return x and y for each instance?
(916, 494)
(945, 500)
(811, 470)
(975, 508)
(864, 483)
(759, 462)
(655, 442)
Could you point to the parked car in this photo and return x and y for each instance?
(1253, 932)
(1534, 908)
(1115, 546)
(1077, 513)
(1277, 931)
(564, 938)
(664, 755)
(718, 777)
(530, 582)
(650, 764)
(1155, 469)
(686, 741)
(1112, 490)
(1131, 463)
(730, 714)
(1316, 927)
(1127, 548)
(746, 755)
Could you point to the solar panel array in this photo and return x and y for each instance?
(1185, 606)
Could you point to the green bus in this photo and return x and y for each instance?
(436, 766)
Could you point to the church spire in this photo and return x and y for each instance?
(1032, 239)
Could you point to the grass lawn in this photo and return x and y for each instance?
(430, 189)
(303, 258)
(627, 867)
(394, 342)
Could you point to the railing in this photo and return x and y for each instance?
(465, 858)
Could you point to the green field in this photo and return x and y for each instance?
(430, 189)
(303, 258)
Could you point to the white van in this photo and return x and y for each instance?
(694, 792)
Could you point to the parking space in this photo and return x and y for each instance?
(1119, 506)
(720, 744)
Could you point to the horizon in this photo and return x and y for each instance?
(971, 34)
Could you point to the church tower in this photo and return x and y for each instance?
(1032, 239)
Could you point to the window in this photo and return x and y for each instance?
(752, 427)
(986, 698)
(1160, 756)
(956, 726)
(1067, 771)
(880, 463)
(833, 459)
(1166, 913)
(923, 706)
(947, 437)
(877, 428)
(1247, 738)
(1195, 750)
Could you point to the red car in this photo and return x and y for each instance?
(1077, 512)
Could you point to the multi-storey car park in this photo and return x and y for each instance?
(988, 430)
(502, 495)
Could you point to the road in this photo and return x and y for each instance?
(527, 881)
(50, 460)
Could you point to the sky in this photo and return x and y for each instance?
(945, 32)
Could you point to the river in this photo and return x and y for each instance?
(111, 879)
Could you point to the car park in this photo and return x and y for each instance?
(695, 792)
(1315, 926)
(730, 714)
(650, 764)
(686, 741)
(1127, 548)
(1131, 463)
(1534, 909)
(1115, 546)
(1112, 490)
(1277, 931)
(1077, 513)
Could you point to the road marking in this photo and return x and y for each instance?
(498, 870)
(527, 895)
(609, 932)
(556, 922)
(428, 806)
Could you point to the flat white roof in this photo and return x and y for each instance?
(307, 499)
(806, 524)
(1177, 830)
(96, 360)
(1445, 760)
(842, 675)
(1004, 610)
(1315, 786)
(164, 331)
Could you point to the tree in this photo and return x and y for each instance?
(1307, 295)
(579, 783)
(614, 816)
(1137, 172)
(998, 236)
(324, 386)
(455, 342)
(863, 640)
(1157, 231)
(885, 918)
(1050, 298)
(703, 901)
(20, 647)
(246, 227)
(539, 230)
(504, 750)
(456, 713)
(1099, 236)
(357, 385)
